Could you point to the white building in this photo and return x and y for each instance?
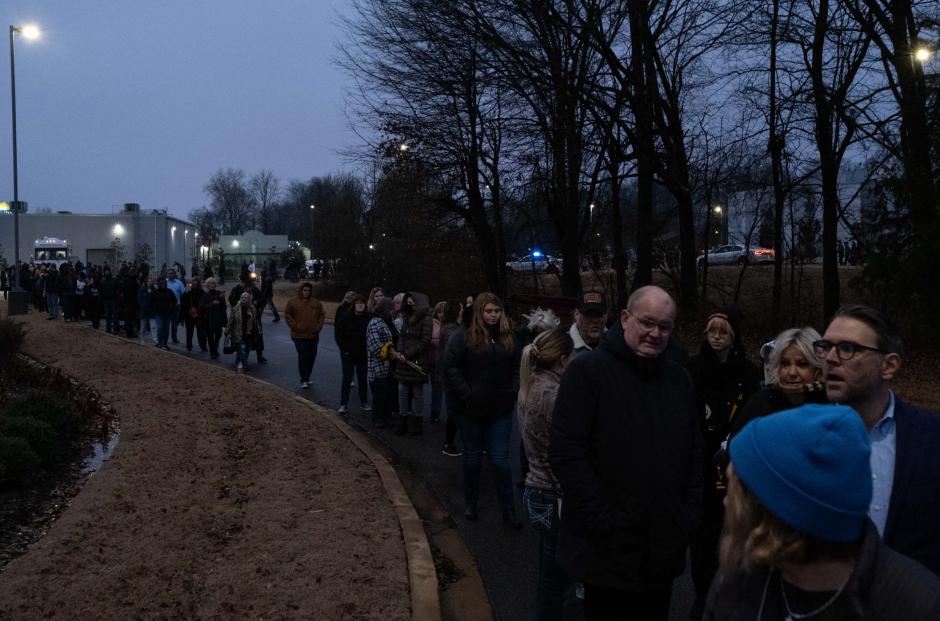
(252, 247)
(105, 238)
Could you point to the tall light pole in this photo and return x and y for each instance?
(720, 212)
(28, 32)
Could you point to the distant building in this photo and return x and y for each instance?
(251, 247)
(105, 238)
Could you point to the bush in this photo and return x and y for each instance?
(11, 338)
(42, 438)
(57, 413)
(17, 461)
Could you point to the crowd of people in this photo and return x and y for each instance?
(800, 484)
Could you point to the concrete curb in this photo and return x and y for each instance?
(422, 573)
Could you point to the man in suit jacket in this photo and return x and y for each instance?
(862, 352)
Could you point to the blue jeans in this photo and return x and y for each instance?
(542, 508)
(163, 329)
(241, 353)
(491, 433)
(52, 302)
(411, 398)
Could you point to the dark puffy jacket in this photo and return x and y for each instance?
(108, 289)
(884, 585)
(626, 448)
(163, 302)
(771, 399)
(481, 382)
(188, 300)
(415, 343)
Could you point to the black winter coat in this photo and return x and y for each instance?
(415, 343)
(626, 448)
(769, 400)
(351, 334)
(163, 302)
(190, 299)
(109, 289)
(884, 585)
(722, 389)
(212, 313)
(482, 382)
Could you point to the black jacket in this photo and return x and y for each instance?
(721, 390)
(769, 400)
(483, 382)
(626, 448)
(236, 294)
(163, 302)
(884, 585)
(212, 312)
(415, 343)
(351, 334)
(190, 299)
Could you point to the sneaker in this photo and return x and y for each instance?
(366, 408)
(451, 451)
(305, 385)
(342, 410)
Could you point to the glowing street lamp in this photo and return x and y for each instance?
(29, 32)
(922, 54)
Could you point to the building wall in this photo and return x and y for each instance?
(170, 239)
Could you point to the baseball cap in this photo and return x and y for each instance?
(592, 301)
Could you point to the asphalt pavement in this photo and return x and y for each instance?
(507, 559)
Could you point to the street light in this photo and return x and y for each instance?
(922, 54)
(719, 212)
(29, 32)
(313, 206)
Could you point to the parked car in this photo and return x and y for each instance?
(737, 255)
(536, 261)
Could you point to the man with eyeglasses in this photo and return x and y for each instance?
(862, 351)
(626, 448)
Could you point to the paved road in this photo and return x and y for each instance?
(507, 560)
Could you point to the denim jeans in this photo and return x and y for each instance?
(163, 329)
(542, 508)
(148, 326)
(241, 354)
(306, 356)
(491, 433)
(411, 398)
(269, 301)
(52, 303)
(351, 363)
(174, 324)
(380, 413)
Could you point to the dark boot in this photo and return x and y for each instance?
(415, 425)
(401, 427)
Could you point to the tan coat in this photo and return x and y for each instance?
(304, 317)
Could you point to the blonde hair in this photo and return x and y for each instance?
(370, 304)
(802, 339)
(545, 352)
(754, 538)
(719, 324)
(478, 335)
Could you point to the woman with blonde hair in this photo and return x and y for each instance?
(539, 375)
(798, 543)
(375, 299)
(482, 369)
(793, 374)
(243, 329)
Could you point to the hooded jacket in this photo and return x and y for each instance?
(415, 343)
(626, 449)
(304, 317)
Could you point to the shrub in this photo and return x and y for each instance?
(11, 338)
(42, 438)
(42, 406)
(17, 461)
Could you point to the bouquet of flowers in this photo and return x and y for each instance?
(388, 352)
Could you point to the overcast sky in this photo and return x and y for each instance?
(141, 101)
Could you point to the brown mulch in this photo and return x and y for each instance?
(224, 499)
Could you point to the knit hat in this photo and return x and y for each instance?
(809, 466)
(735, 319)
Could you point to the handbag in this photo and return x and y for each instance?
(227, 347)
(193, 312)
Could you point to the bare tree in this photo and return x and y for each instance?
(265, 191)
(231, 200)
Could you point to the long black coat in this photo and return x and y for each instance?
(212, 312)
(415, 343)
(626, 448)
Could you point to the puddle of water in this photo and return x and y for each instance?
(101, 452)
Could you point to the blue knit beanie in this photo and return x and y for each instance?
(810, 467)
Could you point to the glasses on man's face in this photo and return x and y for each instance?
(649, 325)
(846, 350)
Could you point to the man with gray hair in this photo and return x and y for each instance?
(626, 448)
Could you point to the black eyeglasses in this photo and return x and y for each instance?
(845, 349)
